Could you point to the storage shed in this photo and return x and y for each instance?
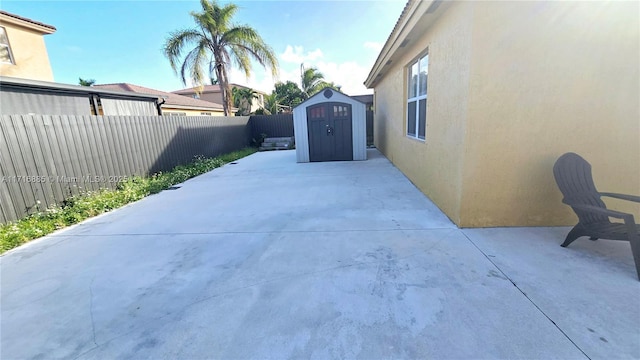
(330, 126)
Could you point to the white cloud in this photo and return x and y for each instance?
(74, 49)
(261, 79)
(350, 75)
(373, 45)
(297, 55)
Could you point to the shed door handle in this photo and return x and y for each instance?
(329, 130)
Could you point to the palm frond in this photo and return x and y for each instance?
(248, 39)
(175, 43)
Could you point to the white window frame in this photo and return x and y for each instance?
(12, 60)
(417, 98)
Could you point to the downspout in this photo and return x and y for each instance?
(159, 105)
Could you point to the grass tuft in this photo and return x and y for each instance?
(89, 204)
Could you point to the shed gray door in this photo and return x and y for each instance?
(329, 131)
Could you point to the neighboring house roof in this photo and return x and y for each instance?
(171, 99)
(213, 89)
(416, 17)
(6, 81)
(7, 17)
(367, 99)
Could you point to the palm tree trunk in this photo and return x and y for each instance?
(222, 81)
(226, 90)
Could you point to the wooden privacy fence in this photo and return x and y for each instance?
(45, 159)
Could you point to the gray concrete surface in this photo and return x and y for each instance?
(271, 259)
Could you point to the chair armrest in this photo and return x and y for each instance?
(606, 212)
(621, 196)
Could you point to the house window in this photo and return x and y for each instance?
(6, 57)
(417, 98)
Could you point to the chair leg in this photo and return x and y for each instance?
(575, 233)
(634, 240)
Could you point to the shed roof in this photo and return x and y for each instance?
(170, 98)
(322, 92)
(367, 99)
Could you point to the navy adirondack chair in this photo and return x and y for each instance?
(573, 176)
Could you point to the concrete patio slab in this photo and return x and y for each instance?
(590, 289)
(272, 259)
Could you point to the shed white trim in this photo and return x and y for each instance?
(358, 123)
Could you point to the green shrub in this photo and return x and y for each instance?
(77, 208)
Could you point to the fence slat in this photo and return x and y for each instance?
(67, 149)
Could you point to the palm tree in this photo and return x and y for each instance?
(243, 99)
(312, 80)
(86, 82)
(271, 103)
(218, 44)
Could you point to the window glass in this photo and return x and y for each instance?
(3, 37)
(5, 57)
(413, 80)
(422, 118)
(5, 49)
(411, 118)
(424, 69)
(417, 97)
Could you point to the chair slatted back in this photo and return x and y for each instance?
(573, 176)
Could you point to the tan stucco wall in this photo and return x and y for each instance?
(548, 78)
(512, 86)
(29, 52)
(211, 96)
(190, 112)
(434, 166)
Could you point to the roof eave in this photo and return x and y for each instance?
(46, 85)
(412, 12)
(27, 23)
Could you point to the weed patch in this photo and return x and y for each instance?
(89, 204)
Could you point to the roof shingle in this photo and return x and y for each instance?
(170, 98)
(27, 20)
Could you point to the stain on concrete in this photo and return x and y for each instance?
(496, 274)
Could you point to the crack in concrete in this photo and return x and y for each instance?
(251, 232)
(93, 325)
(507, 277)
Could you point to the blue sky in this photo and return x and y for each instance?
(121, 41)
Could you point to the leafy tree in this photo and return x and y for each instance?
(218, 44)
(288, 94)
(242, 99)
(86, 82)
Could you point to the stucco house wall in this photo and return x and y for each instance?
(435, 166)
(190, 112)
(28, 47)
(511, 87)
(548, 78)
